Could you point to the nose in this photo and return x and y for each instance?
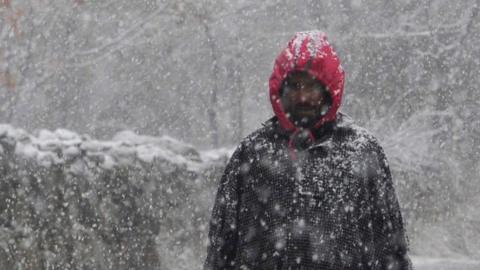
(306, 95)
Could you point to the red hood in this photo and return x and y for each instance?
(311, 52)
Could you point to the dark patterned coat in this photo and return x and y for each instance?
(334, 207)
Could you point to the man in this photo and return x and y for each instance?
(310, 189)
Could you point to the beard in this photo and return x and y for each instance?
(307, 116)
(304, 121)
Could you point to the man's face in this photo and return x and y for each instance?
(304, 99)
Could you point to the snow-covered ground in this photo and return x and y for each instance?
(425, 263)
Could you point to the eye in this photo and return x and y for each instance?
(291, 86)
(298, 85)
(319, 88)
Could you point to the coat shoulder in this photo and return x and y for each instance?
(263, 135)
(356, 136)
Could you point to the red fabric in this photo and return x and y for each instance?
(291, 147)
(311, 52)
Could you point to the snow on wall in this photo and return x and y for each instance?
(68, 201)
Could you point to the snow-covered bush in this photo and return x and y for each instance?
(434, 179)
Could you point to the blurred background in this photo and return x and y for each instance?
(198, 71)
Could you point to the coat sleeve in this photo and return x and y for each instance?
(223, 234)
(390, 238)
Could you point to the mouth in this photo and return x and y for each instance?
(306, 111)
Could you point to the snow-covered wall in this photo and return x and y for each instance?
(135, 202)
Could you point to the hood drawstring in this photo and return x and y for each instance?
(300, 140)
